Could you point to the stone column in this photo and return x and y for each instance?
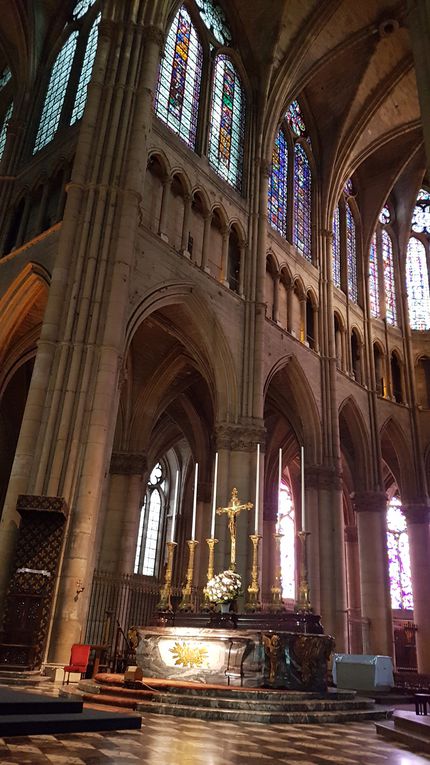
(302, 319)
(23, 223)
(186, 223)
(242, 251)
(276, 297)
(42, 207)
(206, 241)
(290, 295)
(162, 226)
(224, 256)
(316, 331)
(370, 507)
(417, 518)
(353, 583)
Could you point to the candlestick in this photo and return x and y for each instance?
(207, 604)
(175, 508)
(276, 603)
(257, 488)
(253, 603)
(303, 601)
(164, 603)
(187, 603)
(302, 463)
(193, 527)
(279, 488)
(214, 497)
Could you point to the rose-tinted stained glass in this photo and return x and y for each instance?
(351, 255)
(227, 122)
(336, 248)
(179, 79)
(277, 203)
(214, 19)
(3, 132)
(87, 68)
(398, 557)
(302, 237)
(421, 213)
(385, 216)
(286, 526)
(375, 308)
(417, 285)
(295, 120)
(389, 284)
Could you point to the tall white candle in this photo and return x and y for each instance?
(193, 527)
(214, 497)
(279, 487)
(257, 488)
(302, 466)
(175, 508)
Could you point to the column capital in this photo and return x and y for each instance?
(327, 233)
(369, 501)
(242, 438)
(416, 512)
(154, 35)
(322, 477)
(128, 463)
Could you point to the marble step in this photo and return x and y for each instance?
(390, 731)
(268, 717)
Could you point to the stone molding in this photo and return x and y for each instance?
(41, 503)
(322, 477)
(416, 512)
(128, 463)
(351, 534)
(239, 437)
(369, 501)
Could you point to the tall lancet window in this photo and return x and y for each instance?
(302, 202)
(4, 127)
(398, 557)
(389, 284)
(227, 122)
(150, 525)
(286, 526)
(375, 308)
(278, 184)
(417, 257)
(66, 92)
(336, 248)
(351, 254)
(382, 284)
(179, 79)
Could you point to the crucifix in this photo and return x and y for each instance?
(232, 510)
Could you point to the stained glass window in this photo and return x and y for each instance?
(375, 308)
(351, 255)
(3, 132)
(348, 189)
(227, 122)
(81, 8)
(398, 557)
(149, 525)
(214, 19)
(87, 68)
(178, 87)
(278, 185)
(385, 216)
(421, 213)
(5, 76)
(336, 248)
(389, 284)
(295, 120)
(417, 285)
(302, 236)
(286, 526)
(55, 93)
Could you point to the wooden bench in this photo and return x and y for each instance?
(421, 701)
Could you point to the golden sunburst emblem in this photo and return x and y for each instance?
(186, 655)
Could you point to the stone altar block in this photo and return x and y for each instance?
(244, 657)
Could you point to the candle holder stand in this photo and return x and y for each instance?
(253, 603)
(303, 603)
(165, 603)
(207, 604)
(187, 603)
(276, 604)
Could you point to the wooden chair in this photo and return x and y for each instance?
(79, 656)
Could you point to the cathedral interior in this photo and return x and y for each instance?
(214, 244)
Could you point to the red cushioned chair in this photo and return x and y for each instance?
(79, 656)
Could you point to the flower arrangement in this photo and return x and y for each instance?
(224, 587)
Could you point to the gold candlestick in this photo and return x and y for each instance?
(165, 604)
(253, 603)
(303, 600)
(186, 603)
(276, 588)
(207, 604)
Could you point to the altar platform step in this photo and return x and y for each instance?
(407, 728)
(234, 704)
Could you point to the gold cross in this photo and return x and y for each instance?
(232, 510)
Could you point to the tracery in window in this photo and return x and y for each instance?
(336, 248)
(385, 215)
(302, 210)
(3, 132)
(398, 557)
(278, 183)
(375, 308)
(150, 524)
(417, 285)
(87, 68)
(351, 255)
(56, 92)
(81, 8)
(227, 122)
(295, 120)
(5, 76)
(389, 285)
(286, 526)
(348, 189)
(179, 79)
(421, 213)
(214, 19)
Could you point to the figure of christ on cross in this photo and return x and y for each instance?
(232, 510)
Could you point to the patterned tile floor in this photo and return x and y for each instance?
(174, 741)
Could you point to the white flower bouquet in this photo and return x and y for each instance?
(224, 587)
